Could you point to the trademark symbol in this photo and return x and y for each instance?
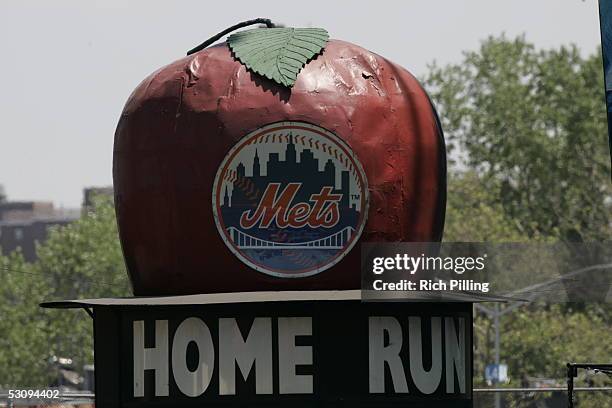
(355, 196)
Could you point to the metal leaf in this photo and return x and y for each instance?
(278, 53)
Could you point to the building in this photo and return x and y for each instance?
(24, 223)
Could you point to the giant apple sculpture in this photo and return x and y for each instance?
(226, 180)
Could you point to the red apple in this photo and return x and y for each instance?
(180, 124)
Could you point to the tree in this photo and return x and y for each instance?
(532, 125)
(527, 133)
(474, 214)
(23, 342)
(81, 260)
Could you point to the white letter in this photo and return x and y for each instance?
(193, 383)
(455, 354)
(290, 355)
(376, 268)
(151, 358)
(415, 264)
(426, 381)
(379, 354)
(257, 349)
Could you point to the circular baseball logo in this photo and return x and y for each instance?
(290, 199)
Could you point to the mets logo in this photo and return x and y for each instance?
(290, 199)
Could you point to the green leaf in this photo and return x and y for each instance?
(278, 53)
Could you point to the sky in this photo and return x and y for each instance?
(68, 66)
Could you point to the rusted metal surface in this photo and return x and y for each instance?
(181, 121)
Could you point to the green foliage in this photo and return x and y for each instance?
(537, 339)
(473, 214)
(532, 125)
(85, 258)
(278, 53)
(528, 137)
(23, 343)
(81, 260)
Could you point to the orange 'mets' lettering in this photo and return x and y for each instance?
(275, 206)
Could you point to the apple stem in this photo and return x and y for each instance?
(214, 38)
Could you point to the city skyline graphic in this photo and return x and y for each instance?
(270, 178)
(292, 167)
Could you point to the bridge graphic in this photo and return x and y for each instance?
(335, 241)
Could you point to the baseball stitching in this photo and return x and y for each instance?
(253, 193)
(312, 143)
